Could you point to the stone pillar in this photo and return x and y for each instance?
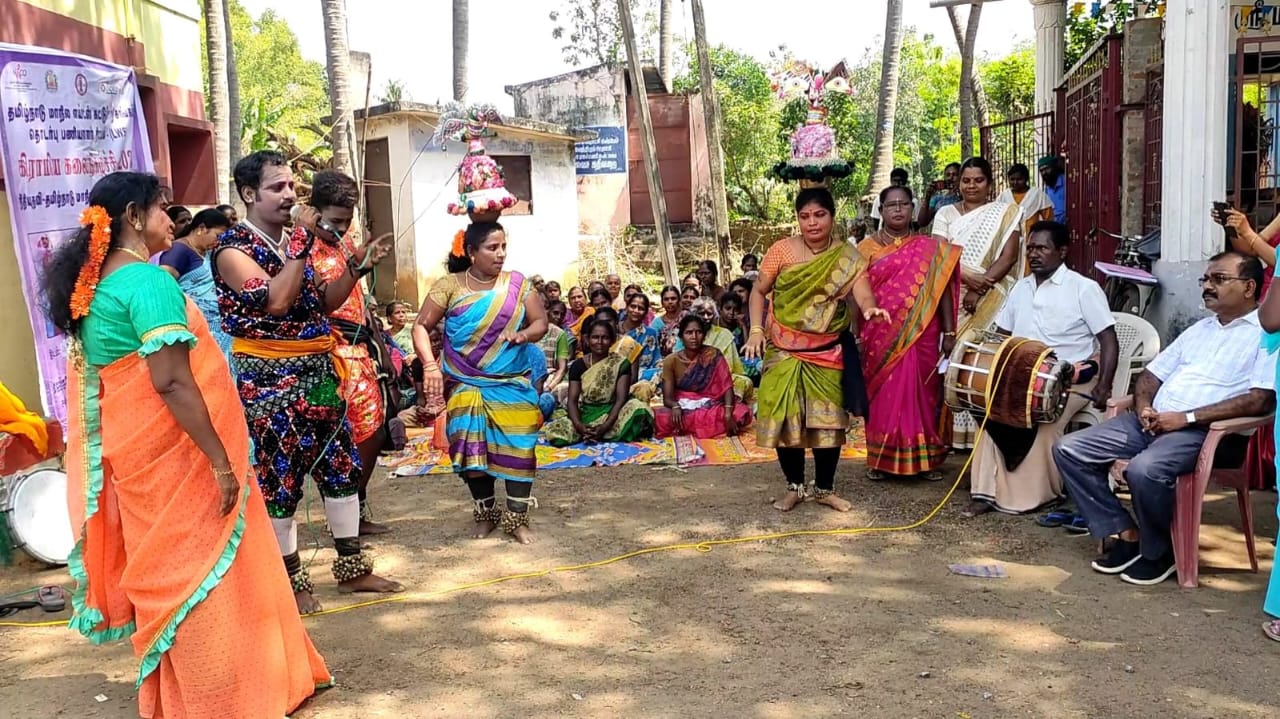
(1194, 173)
(1195, 127)
(1051, 28)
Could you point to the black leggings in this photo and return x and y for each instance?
(824, 465)
(482, 488)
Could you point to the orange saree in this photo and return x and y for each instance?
(203, 598)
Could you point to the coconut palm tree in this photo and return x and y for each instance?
(970, 86)
(215, 33)
(461, 14)
(338, 56)
(666, 41)
(235, 121)
(890, 67)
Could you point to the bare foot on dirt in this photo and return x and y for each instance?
(788, 501)
(370, 583)
(368, 528)
(974, 509)
(524, 535)
(483, 529)
(307, 604)
(835, 502)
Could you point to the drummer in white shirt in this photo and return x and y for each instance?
(1012, 469)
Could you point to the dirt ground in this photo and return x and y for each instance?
(869, 626)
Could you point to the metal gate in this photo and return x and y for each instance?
(1092, 145)
(1024, 140)
(1153, 147)
(1256, 109)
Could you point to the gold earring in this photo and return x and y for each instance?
(137, 226)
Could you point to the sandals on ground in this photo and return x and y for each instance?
(1272, 629)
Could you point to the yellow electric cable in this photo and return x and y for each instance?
(702, 547)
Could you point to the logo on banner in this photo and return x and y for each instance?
(51, 81)
(82, 84)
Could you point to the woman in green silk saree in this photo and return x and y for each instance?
(812, 379)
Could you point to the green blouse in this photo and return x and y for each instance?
(138, 308)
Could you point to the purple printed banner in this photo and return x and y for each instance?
(65, 122)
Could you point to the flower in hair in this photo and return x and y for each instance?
(99, 222)
(459, 248)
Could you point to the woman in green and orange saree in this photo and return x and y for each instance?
(174, 550)
(812, 377)
(915, 281)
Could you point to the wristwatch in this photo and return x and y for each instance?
(1191, 418)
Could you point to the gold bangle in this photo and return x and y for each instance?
(228, 472)
(757, 330)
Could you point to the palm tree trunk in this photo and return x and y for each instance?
(886, 110)
(216, 49)
(979, 94)
(235, 122)
(967, 118)
(666, 41)
(338, 56)
(461, 38)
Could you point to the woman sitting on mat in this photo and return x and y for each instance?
(599, 407)
(697, 390)
(722, 339)
(635, 325)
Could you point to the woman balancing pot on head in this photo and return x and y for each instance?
(812, 379)
(491, 404)
(174, 548)
(916, 281)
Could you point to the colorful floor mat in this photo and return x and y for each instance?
(419, 458)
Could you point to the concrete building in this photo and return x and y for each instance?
(161, 40)
(612, 190)
(411, 181)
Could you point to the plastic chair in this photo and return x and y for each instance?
(1139, 344)
(1189, 493)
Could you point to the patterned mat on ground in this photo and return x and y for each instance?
(420, 458)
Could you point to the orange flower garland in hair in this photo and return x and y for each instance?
(458, 249)
(99, 243)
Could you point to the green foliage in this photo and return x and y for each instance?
(750, 118)
(280, 92)
(1087, 25)
(394, 92)
(1010, 83)
(757, 127)
(591, 30)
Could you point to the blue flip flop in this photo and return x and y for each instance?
(1055, 519)
(1078, 525)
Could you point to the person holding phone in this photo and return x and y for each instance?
(360, 345)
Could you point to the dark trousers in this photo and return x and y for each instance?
(824, 465)
(1155, 462)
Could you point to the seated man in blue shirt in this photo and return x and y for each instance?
(1054, 178)
(1215, 370)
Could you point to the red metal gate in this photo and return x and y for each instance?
(1092, 145)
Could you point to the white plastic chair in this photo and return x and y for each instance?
(1139, 344)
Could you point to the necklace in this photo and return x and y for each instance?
(814, 252)
(136, 254)
(882, 236)
(277, 245)
(467, 277)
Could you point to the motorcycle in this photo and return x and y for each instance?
(1130, 285)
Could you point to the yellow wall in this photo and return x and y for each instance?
(168, 29)
(17, 346)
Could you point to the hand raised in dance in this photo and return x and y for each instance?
(873, 313)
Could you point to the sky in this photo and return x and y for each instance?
(511, 40)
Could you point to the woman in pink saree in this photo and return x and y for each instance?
(915, 280)
(697, 389)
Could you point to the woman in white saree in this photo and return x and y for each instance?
(990, 235)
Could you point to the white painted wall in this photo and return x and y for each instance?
(545, 242)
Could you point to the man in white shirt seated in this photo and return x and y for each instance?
(1215, 370)
(1012, 470)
